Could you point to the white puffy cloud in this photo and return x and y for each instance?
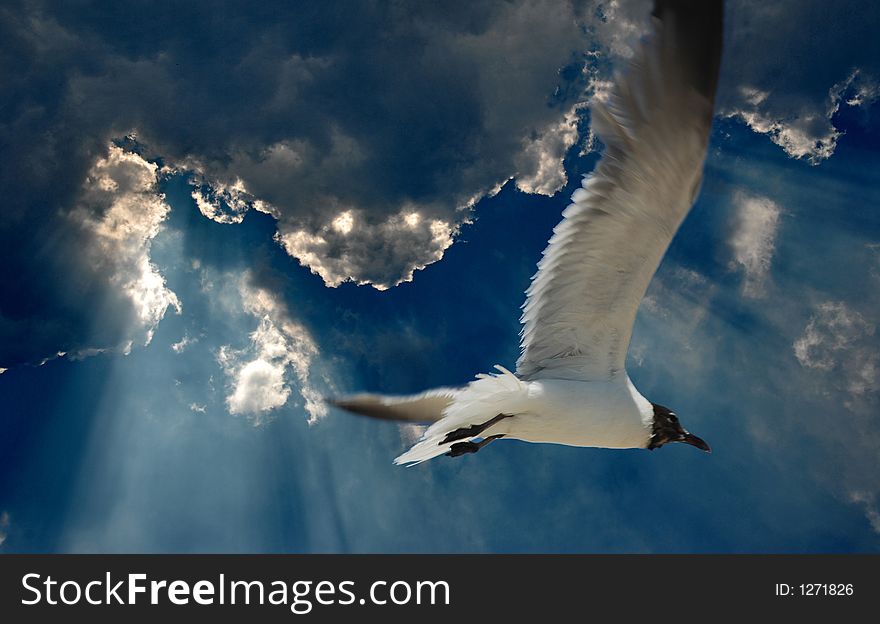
(540, 164)
(753, 240)
(260, 374)
(839, 340)
(122, 211)
(349, 245)
(259, 385)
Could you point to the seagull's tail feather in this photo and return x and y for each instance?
(426, 407)
(481, 400)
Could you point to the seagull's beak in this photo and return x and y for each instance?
(689, 438)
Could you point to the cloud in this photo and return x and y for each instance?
(863, 90)
(696, 341)
(121, 208)
(350, 247)
(672, 314)
(4, 527)
(409, 174)
(540, 163)
(418, 120)
(869, 503)
(839, 341)
(753, 240)
(809, 133)
(225, 203)
(89, 285)
(620, 24)
(259, 374)
(181, 345)
(793, 89)
(380, 112)
(383, 110)
(259, 384)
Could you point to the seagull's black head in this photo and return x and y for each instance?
(668, 429)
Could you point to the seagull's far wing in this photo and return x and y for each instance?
(581, 305)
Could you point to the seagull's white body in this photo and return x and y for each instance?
(607, 414)
(571, 386)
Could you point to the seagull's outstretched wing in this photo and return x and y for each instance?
(581, 305)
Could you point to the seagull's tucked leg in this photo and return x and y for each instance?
(463, 448)
(472, 431)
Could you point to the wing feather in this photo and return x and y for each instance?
(580, 308)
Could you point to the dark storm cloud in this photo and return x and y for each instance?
(788, 72)
(365, 128)
(395, 116)
(785, 71)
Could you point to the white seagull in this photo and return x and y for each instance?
(571, 386)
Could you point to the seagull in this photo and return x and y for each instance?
(571, 386)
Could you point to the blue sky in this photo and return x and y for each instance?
(220, 217)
